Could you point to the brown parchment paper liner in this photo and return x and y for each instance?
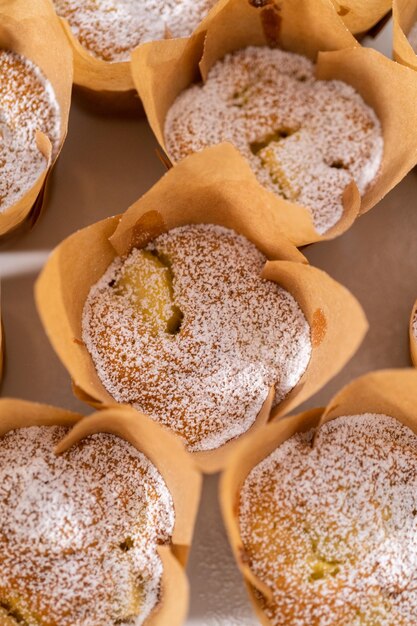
(361, 15)
(162, 70)
(168, 456)
(196, 191)
(404, 16)
(389, 392)
(106, 86)
(31, 29)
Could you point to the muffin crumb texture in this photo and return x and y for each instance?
(305, 139)
(79, 531)
(332, 528)
(188, 332)
(111, 29)
(27, 104)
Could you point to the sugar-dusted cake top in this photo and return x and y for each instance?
(111, 29)
(27, 104)
(79, 531)
(331, 526)
(189, 333)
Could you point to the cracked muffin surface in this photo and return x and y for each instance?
(305, 139)
(189, 333)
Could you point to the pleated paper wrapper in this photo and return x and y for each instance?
(105, 86)
(360, 16)
(404, 16)
(32, 30)
(198, 191)
(389, 392)
(166, 454)
(162, 70)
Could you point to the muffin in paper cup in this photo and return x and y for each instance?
(102, 76)
(28, 33)
(404, 31)
(163, 458)
(360, 17)
(379, 410)
(323, 328)
(164, 71)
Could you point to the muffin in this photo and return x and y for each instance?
(186, 331)
(28, 105)
(324, 527)
(327, 126)
(103, 34)
(82, 531)
(305, 139)
(194, 309)
(35, 95)
(110, 30)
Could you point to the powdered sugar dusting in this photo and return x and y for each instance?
(79, 531)
(305, 139)
(27, 104)
(111, 29)
(239, 336)
(332, 530)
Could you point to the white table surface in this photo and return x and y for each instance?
(105, 165)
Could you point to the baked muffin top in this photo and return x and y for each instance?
(79, 532)
(305, 139)
(188, 332)
(111, 29)
(330, 524)
(27, 104)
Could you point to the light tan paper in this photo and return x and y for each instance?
(196, 191)
(162, 70)
(336, 320)
(31, 29)
(413, 339)
(390, 392)
(164, 451)
(361, 15)
(110, 82)
(404, 15)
